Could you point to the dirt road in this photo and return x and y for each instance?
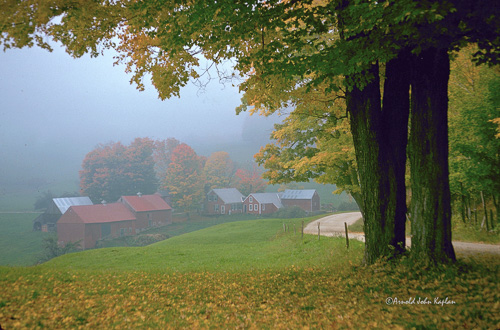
(333, 225)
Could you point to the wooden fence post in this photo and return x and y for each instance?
(302, 229)
(346, 235)
(318, 231)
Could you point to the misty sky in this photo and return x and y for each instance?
(55, 109)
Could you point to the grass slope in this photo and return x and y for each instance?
(19, 244)
(236, 246)
(247, 275)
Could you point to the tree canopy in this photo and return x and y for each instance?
(112, 170)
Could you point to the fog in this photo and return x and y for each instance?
(54, 109)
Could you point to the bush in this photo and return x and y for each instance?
(145, 239)
(290, 213)
(348, 206)
(52, 249)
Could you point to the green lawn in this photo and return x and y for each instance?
(19, 244)
(236, 246)
(248, 274)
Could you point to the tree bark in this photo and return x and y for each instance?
(395, 115)
(378, 175)
(431, 201)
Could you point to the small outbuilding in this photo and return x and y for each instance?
(224, 201)
(306, 199)
(88, 224)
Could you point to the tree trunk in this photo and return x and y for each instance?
(430, 205)
(485, 216)
(396, 110)
(463, 206)
(377, 173)
(496, 203)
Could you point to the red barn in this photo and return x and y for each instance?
(90, 223)
(149, 210)
(306, 199)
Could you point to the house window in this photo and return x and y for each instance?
(250, 207)
(250, 199)
(216, 208)
(263, 207)
(256, 207)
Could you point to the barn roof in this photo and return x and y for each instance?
(229, 195)
(145, 203)
(99, 213)
(298, 194)
(267, 198)
(64, 203)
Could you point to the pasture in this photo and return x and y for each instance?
(247, 274)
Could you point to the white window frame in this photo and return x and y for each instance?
(250, 207)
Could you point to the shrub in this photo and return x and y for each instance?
(348, 206)
(290, 213)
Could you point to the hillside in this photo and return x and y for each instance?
(247, 274)
(235, 246)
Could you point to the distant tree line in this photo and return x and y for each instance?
(147, 166)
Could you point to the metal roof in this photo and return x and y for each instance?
(229, 195)
(267, 198)
(298, 194)
(63, 204)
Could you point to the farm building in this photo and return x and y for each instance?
(308, 199)
(149, 210)
(224, 201)
(89, 223)
(262, 203)
(47, 221)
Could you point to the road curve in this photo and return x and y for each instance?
(333, 225)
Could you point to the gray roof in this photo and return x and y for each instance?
(267, 198)
(229, 195)
(298, 194)
(64, 203)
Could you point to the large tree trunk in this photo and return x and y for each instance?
(396, 110)
(376, 172)
(430, 205)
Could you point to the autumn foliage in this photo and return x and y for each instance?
(183, 178)
(249, 180)
(113, 170)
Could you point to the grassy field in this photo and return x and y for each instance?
(19, 244)
(247, 274)
(178, 227)
(236, 246)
